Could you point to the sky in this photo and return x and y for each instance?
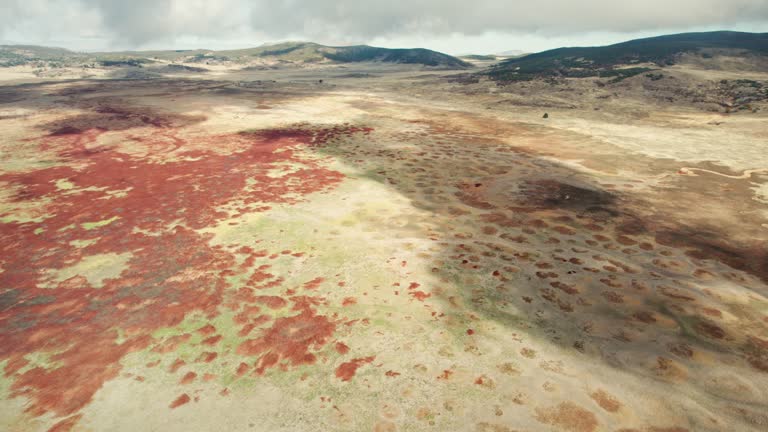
(451, 26)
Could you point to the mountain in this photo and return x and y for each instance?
(283, 53)
(628, 58)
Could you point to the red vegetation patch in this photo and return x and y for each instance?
(66, 425)
(207, 357)
(420, 295)
(207, 330)
(211, 341)
(314, 283)
(188, 378)
(176, 365)
(172, 272)
(349, 301)
(179, 401)
(342, 348)
(272, 302)
(290, 338)
(347, 370)
(68, 388)
(242, 369)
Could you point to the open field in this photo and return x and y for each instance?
(393, 249)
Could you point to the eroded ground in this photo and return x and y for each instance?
(188, 254)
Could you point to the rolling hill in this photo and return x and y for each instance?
(627, 58)
(16, 55)
(287, 53)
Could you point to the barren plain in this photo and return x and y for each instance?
(390, 249)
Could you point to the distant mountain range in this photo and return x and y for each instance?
(617, 61)
(628, 58)
(288, 52)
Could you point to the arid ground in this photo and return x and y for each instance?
(389, 250)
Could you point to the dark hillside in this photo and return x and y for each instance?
(612, 60)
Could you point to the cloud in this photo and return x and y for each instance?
(136, 23)
(367, 19)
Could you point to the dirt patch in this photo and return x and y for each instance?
(569, 417)
(606, 401)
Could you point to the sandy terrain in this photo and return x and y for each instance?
(388, 250)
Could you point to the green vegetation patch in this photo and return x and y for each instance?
(99, 224)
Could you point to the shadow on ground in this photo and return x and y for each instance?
(602, 272)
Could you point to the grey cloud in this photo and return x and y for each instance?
(141, 21)
(381, 18)
(138, 22)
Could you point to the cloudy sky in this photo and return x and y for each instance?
(453, 26)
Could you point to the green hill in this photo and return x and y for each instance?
(616, 60)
